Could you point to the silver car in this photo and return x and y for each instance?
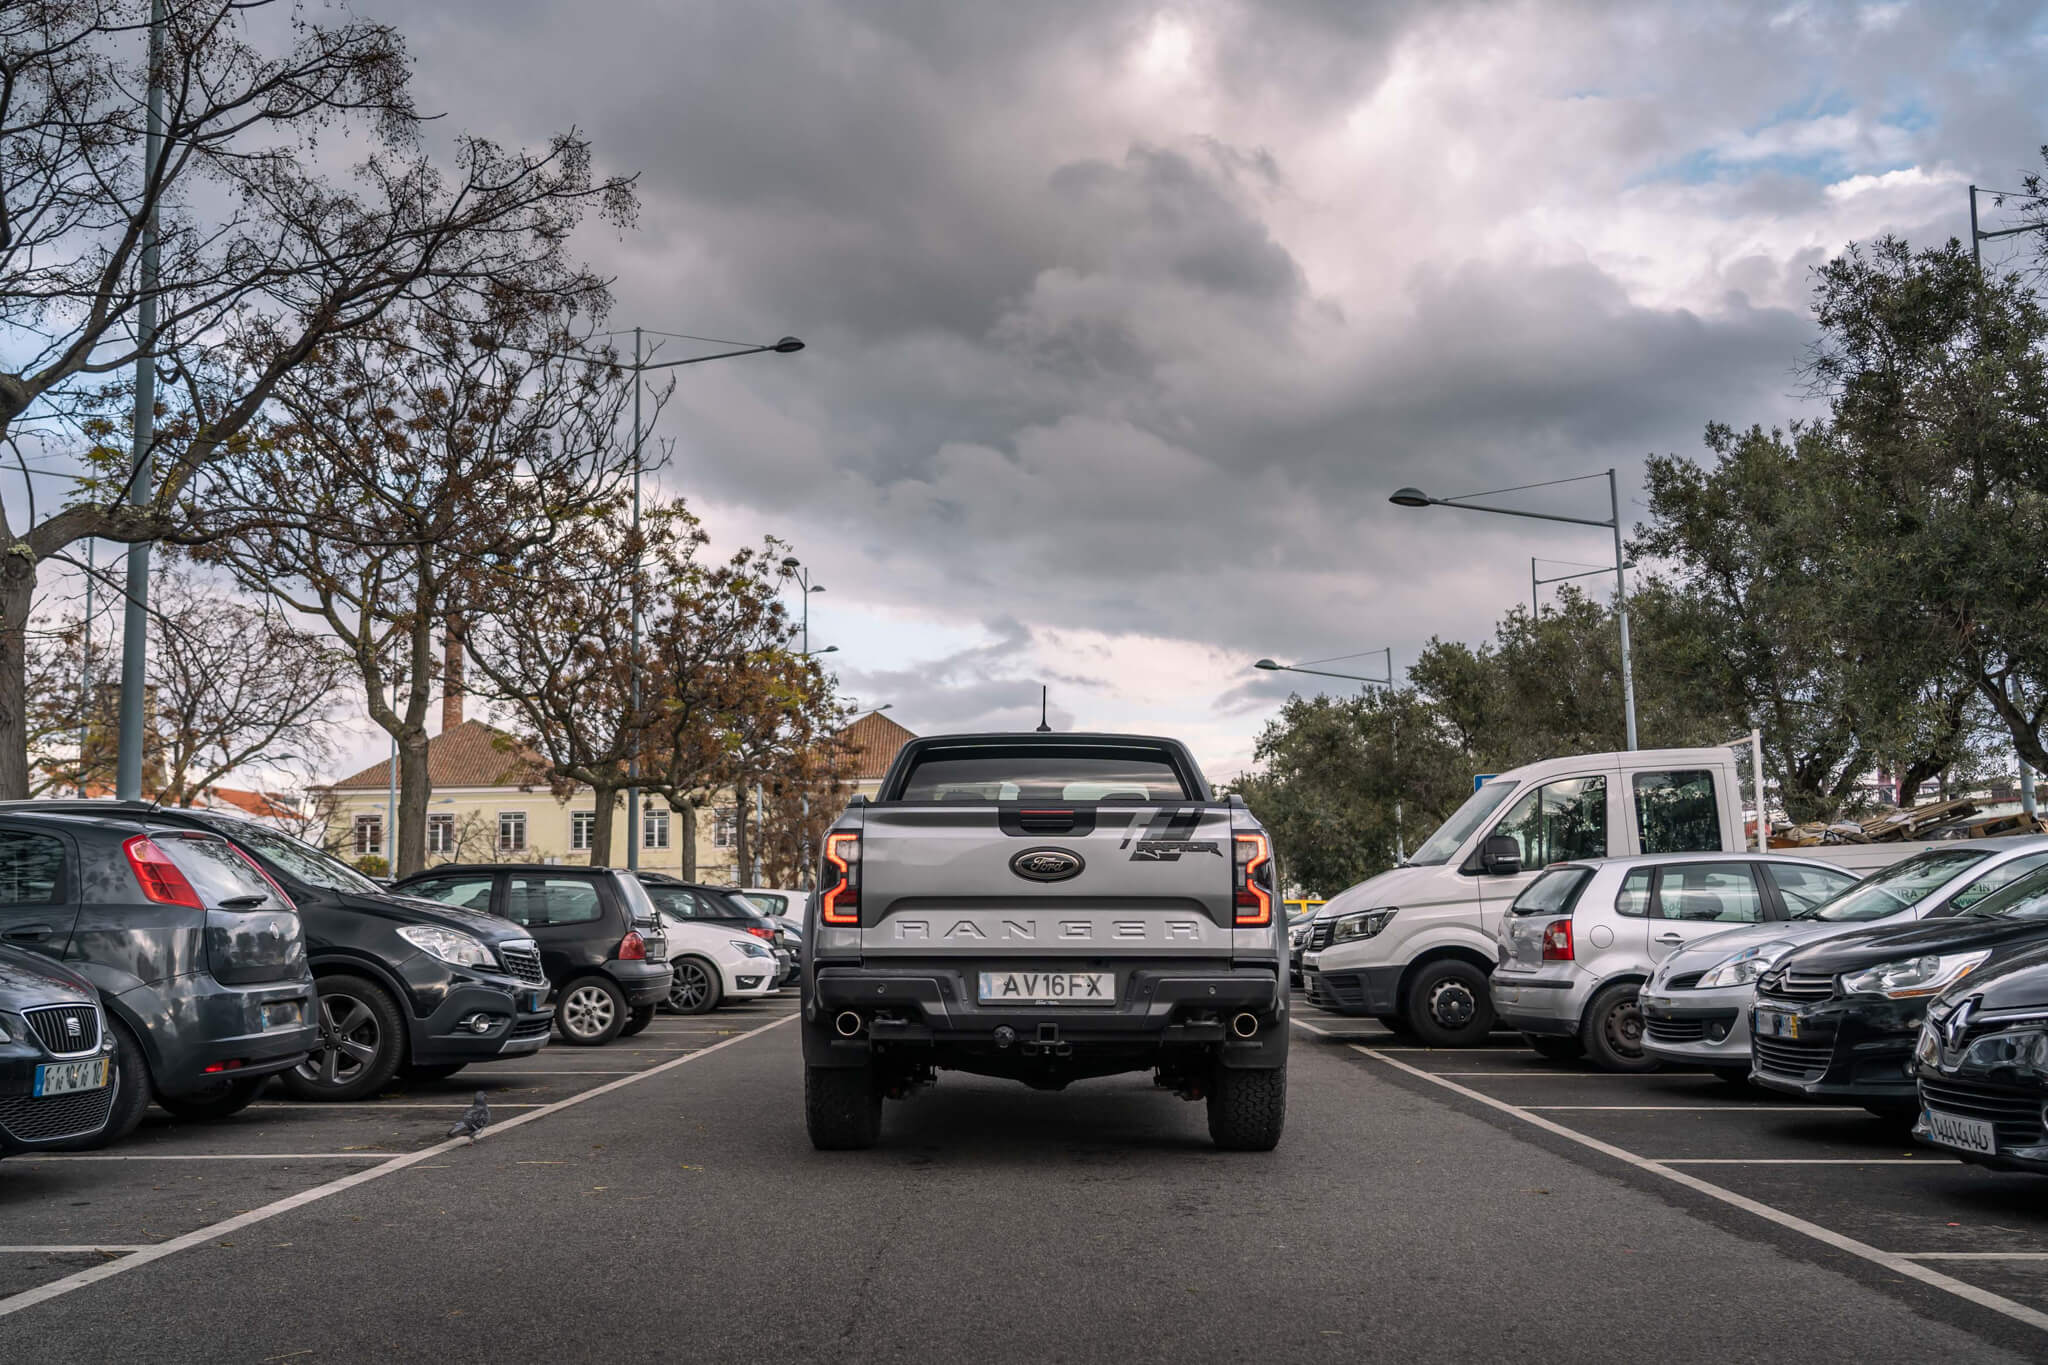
(1576, 946)
(1696, 1007)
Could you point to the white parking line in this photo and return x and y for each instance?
(207, 1156)
(43, 1293)
(1549, 1075)
(570, 1073)
(1811, 1110)
(1973, 1255)
(25, 1251)
(351, 1106)
(1799, 1161)
(1898, 1265)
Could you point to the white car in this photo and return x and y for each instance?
(785, 908)
(714, 962)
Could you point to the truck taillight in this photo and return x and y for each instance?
(161, 880)
(632, 948)
(1557, 941)
(1254, 880)
(841, 903)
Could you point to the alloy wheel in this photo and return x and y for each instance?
(349, 1038)
(587, 1011)
(692, 983)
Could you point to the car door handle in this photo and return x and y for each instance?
(28, 933)
(1671, 938)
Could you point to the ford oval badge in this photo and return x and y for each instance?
(1046, 864)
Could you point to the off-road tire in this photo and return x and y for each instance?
(1448, 1004)
(1247, 1109)
(842, 1108)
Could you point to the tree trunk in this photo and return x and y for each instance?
(601, 825)
(17, 597)
(686, 822)
(413, 791)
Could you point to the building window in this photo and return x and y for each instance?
(511, 831)
(654, 829)
(369, 835)
(440, 834)
(725, 832)
(582, 828)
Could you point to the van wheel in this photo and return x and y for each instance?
(132, 1090)
(217, 1102)
(1448, 1005)
(1613, 1031)
(1553, 1049)
(842, 1107)
(1247, 1109)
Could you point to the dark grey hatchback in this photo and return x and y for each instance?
(199, 960)
(56, 1055)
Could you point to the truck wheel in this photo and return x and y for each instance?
(1448, 1004)
(1613, 1031)
(843, 1108)
(1247, 1109)
(1553, 1049)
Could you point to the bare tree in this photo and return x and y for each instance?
(264, 256)
(231, 686)
(408, 462)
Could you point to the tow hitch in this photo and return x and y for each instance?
(1047, 1044)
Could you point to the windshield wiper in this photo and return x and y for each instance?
(248, 902)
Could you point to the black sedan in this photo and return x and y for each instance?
(1839, 1020)
(56, 1056)
(1982, 1063)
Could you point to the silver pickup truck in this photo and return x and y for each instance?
(1045, 907)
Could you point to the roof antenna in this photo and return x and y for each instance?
(1043, 728)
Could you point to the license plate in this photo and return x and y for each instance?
(1969, 1135)
(1048, 988)
(536, 1001)
(62, 1078)
(281, 1014)
(1774, 1024)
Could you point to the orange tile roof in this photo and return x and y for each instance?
(874, 740)
(472, 754)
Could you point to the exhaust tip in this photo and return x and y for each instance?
(1245, 1024)
(847, 1024)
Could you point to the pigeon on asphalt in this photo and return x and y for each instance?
(473, 1121)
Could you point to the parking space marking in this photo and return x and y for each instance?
(1891, 1261)
(206, 1156)
(71, 1251)
(574, 1073)
(1546, 1075)
(1810, 1110)
(1973, 1255)
(29, 1298)
(1798, 1160)
(350, 1106)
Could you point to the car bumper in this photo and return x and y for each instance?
(1157, 1006)
(751, 979)
(1549, 1006)
(1701, 1028)
(29, 1123)
(519, 1015)
(2014, 1111)
(643, 983)
(204, 1031)
(1354, 990)
(1854, 1053)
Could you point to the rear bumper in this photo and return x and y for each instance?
(1548, 1006)
(929, 1007)
(196, 1022)
(644, 983)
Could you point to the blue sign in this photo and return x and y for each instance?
(1481, 779)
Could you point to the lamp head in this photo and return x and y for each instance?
(788, 346)
(1410, 497)
(1265, 663)
(790, 563)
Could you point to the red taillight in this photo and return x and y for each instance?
(632, 948)
(1254, 880)
(1557, 941)
(758, 932)
(161, 881)
(275, 889)
(841, 902)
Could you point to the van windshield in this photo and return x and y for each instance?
(1443, 845)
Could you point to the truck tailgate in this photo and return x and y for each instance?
(1117, 880)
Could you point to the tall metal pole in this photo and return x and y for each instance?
(633, 657)
(141, 487)
(1976, 238)
(1394, 746)
(1532, 593)
(1628, 677)
(85, 706)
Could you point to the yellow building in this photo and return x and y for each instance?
(491, 801)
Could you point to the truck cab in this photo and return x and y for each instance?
(1413, 946)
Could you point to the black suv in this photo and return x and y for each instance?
(199, 960)
(56, 1055)
(406, 987)
(600, 940)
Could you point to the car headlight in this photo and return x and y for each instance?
(1359, 924)
(1928, 1050)
(450, 945)
(1913, 976)
(1745, 967)
(5, 1036)
(752, 947)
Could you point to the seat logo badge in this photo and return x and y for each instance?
(1046, 864)
(72, 1027)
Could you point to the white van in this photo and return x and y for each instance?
(1413, 946)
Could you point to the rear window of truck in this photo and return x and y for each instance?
(1044, 773)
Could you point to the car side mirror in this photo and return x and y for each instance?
(1500, 856)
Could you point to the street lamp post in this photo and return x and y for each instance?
(1415, 497)
(794, 567)
(1393, 730)
(640, 366)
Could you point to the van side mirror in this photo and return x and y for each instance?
(1500, 856)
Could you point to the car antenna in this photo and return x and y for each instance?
(1043, 728)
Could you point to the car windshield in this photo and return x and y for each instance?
(768, 903)
(1552, 893)
(1897, 887)
(301, 861)
(1443, 845)
(2026, 898)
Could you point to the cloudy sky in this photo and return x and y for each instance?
(1124, 319)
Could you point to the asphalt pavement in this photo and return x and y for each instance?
(657, 1199)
